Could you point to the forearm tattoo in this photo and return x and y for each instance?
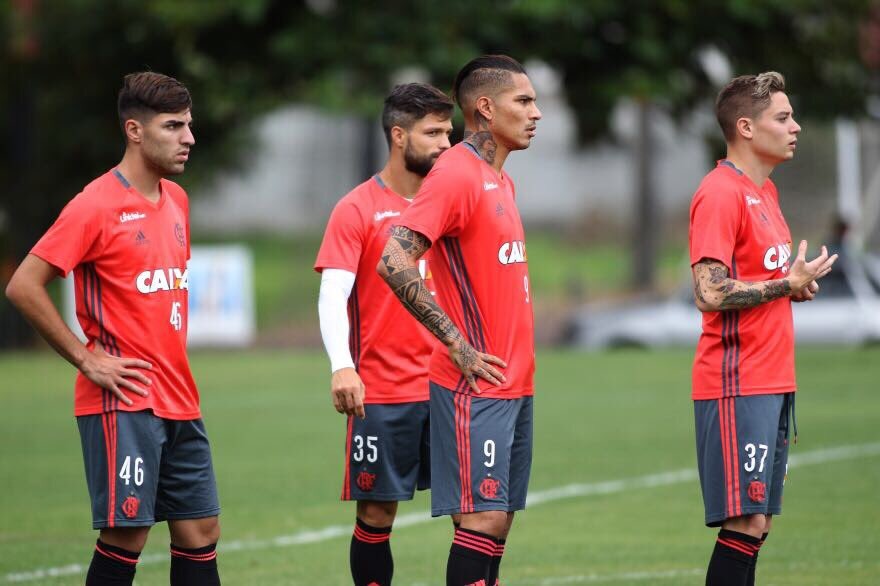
(714, 286)
(399, 258)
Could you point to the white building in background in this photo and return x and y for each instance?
(307, 160)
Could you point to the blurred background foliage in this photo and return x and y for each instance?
(63, 62)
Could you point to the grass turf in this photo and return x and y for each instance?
(278, 454)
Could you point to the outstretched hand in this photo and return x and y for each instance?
(474, 364)
(114, 373)
(802, 273)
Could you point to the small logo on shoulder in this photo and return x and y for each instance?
(489, 186)
(751, 200)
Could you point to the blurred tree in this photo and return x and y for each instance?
(63, 63)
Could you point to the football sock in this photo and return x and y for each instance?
(496, 563)
(370, 555)
(194, 567)
(469, 558)
(731, 559)
(112, 566)
(750, 581)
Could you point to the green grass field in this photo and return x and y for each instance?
(599, 418)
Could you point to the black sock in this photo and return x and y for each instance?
(469, 558)
(370, 555)
(112, 566)
(750, 581)
(194, 567)
(495, 565)
(731, 559)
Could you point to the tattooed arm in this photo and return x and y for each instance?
(715, 290)
(398, 266)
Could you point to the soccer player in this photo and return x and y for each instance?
(126, 239)
(481, 417)
(745, 279)
(380, 381)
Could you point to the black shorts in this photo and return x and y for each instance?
(481, 452)
(387, 453)
(142, 469)
(742, 454)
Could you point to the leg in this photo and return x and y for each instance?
(116, 555)
(495, 566)
(194, 551)
(370, 552)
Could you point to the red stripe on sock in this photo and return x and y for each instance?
(367, 537)
(738, 545)
(196, 557)
(116, 556)
(499, 550)
(481, 544)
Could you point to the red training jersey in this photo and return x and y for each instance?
(129, 257)
(389, 347)
(468, 211)
(746, 351)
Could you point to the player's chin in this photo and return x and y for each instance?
(174, 168)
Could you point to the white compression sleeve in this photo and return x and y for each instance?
(336, 285)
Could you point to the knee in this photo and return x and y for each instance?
(195, 533)
(754, 525)
(377, 513)
(494, 523)
(128, 538)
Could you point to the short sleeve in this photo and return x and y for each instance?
(445, 202)
(74, 238)
(343, 240)
(715, 219)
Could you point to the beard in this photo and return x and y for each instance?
(420, 165)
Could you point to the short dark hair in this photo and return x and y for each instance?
(745, 96)
(409, 102)
(147, 93)
(489, 73)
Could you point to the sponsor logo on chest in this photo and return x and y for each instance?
(171, 279)
(776, 257)
(512, 252)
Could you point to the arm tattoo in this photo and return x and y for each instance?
(399, 258)
(714, 286)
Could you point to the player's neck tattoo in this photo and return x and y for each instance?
(482, 140)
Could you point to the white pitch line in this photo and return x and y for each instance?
(605, 578)
(535, 498)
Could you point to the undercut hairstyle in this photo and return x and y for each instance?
(146, 93)
(410, 102)
(745, 96)
(484, 76)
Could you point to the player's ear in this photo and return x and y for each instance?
(485, 107)
(398, 136)
(744, 127)
(134, 131)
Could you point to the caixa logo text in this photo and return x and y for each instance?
(154, 280)
(512, 252)
(777, 256)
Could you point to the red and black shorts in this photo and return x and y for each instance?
(481, 452)
(386, 454)
(142, 469)
(742, 454)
